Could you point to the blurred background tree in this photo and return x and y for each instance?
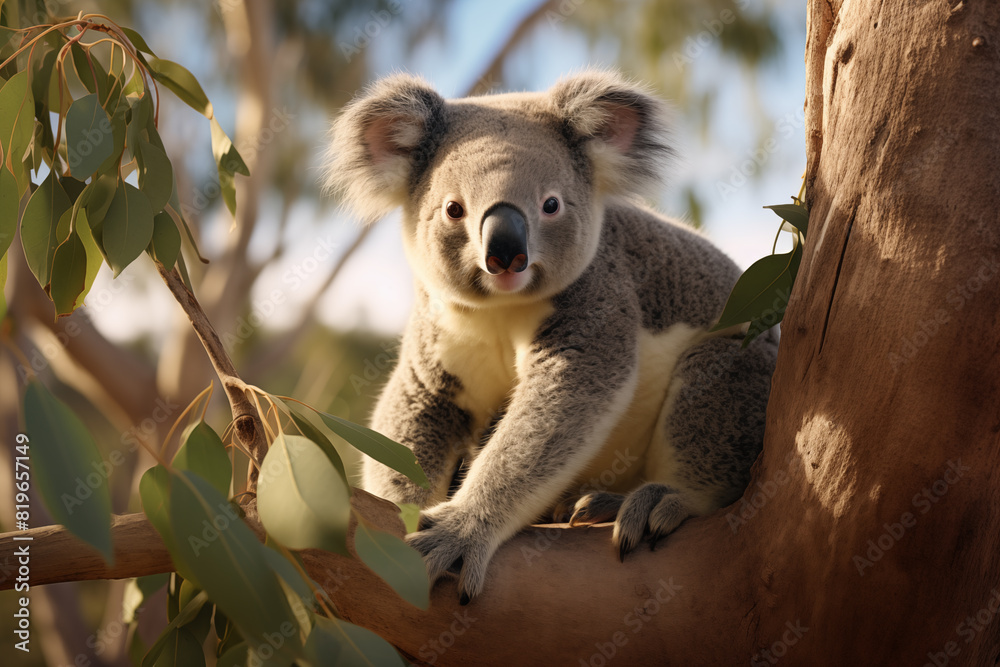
(307, 302)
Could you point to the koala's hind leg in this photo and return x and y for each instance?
(712, 428)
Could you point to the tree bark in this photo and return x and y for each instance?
(870, 533)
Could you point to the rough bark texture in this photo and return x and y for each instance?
(871, 533)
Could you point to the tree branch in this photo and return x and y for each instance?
(246, 420)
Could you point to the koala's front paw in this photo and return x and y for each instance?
(447, 537)
(652, 511)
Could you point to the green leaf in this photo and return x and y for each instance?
(17, 124)
(410, 514)
(336, 642)
(137, 41)
(228, 563)
(202, 452)
(181, 649)
(41, 231)
(141, 109)
(67, 469)
(229, 163)
(138, 591)
(90, 71)
(287, 572)
(398, 564)
(10, 201)
(97, 200)
(185, 615)
(69, 274)
(795, 214)
(3, 281)
(763, 289)
(94, 256)
(156, 175)
(166, 243)
(154, 490)
(312, 427)
(41, 76)
(118, 131)
(89, 137)
(128, 227)
(181, 83)
(377, 446)
(302, 500)
(235, 656)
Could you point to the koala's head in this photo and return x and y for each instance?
(502, 195)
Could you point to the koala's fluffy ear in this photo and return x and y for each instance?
(624, 127)
(379, 140)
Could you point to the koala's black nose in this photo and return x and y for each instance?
(505, 238)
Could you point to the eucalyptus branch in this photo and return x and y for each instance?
(246, 419)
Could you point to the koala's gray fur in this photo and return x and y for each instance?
(614, 401)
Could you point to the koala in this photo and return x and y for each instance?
(559, 360)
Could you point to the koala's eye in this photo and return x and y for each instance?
(550, 206)
(454, 210)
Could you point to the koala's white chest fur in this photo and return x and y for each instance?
(485, 350)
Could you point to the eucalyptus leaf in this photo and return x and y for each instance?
(302, 500)
(67, 469)
(763, 288)
(795, 214)
(181, 83)
(181, 649)
(69, 274)
(228, 563)
(128, 227)
(94, 256)
(377, 446)
(166, 242)
(89, 136)
(10, 201)
(202, 452)
(398, 564)
(41, 232)
(156, 175)
(336, 642)
(137, 41)
(17, 124)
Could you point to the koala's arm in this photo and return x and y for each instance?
(417, 409)
(574, 384)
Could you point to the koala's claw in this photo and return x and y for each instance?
(652, 512)
(450, 544)
(596, 508)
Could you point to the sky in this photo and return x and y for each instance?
(374, 292)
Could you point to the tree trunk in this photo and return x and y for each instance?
(870, 533)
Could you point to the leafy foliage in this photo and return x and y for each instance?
(89, 78)
(761, 294)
